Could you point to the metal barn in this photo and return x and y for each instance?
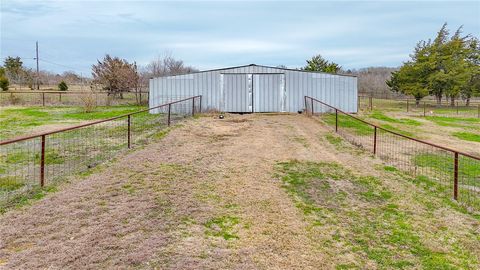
(255, 88)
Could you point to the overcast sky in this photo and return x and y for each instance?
(355, 34)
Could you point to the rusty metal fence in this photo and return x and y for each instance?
(425, 107)
(34, 161)
(447, 171)
(70, 98)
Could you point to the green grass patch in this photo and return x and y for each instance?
(16, 157)
(52, 156)
(380, 116)
(10, 183)
(356, 218)
(467, 136)
(444, 164)
(27, 198)
(345, 121)
(19, 120)
(397, 130)
(223, 226)
(390, 168)
(451, 121)
(102, 112)
(334, 140)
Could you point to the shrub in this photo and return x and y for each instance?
(89, 101)
(4, 83)
(62, 86)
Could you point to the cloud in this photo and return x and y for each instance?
(230, 46)
(216, 34)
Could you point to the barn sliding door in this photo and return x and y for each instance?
(268, 92)
(237, 92)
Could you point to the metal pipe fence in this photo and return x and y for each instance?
(449, 172)
(426, 107)
(35, 161)
(70, 98)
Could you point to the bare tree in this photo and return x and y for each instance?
(165, 65)
(371, 80)
(115, 75)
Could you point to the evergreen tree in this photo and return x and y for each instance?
(318, 63)
(447, 66)
(62, 86)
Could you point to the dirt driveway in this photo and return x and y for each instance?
(204, 197)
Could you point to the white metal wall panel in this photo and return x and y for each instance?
(337, 90)
(268, 92)
(237, 93)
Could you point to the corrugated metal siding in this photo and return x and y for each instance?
(236, 93)
(340, 91)
(268, 92)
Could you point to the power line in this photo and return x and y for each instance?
(53, 63)
(23, 58)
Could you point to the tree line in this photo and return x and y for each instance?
(13, 72)
(448, 66)
(111, 74)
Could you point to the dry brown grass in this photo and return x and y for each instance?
(89, 101)
(205, 197)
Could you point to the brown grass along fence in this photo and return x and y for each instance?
(69, 98)
(34, 161)
(446, 171)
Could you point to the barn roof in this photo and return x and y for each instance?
(250, 65)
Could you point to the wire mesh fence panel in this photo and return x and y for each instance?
(43, 159)
(426, 107)
(70, 98)
(450, 173)
(469, 181)
(19, 166)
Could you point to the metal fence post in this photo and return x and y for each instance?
(336, 120)
(306, 107)
(457, 107)
(478, 110)
(371, 103)
(312, 106)
(168, 119)
(128, 132)
(193, 107)
(424, 109)
(42, 163)
(455, 177)
(43, 99)
(375, 140)
(407, 105)
(200, 105)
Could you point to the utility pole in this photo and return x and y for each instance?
(38, 81)
(81, 81)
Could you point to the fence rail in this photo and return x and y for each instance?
(70, 98)
(34, 161)
(425, 107)
(450, 172)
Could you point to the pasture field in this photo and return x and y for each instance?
(21, 120)
(442, 126)
(39, 161)
(252, 191)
